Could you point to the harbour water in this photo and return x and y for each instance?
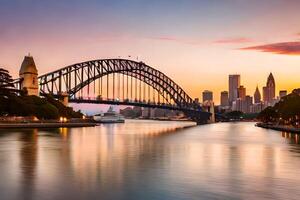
(150, 160)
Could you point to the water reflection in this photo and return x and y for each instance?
(28, 161)
(292, 137)
(150, 160)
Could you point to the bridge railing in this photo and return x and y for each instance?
(122, 100)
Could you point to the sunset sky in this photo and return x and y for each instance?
(195, 42)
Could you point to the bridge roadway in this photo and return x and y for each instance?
(127, 102)
(114, 75)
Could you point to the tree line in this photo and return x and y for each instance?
(286, 111)
(15, 102)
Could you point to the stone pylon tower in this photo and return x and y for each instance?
(29, 76)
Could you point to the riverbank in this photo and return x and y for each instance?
(278, 127)
(16, 125)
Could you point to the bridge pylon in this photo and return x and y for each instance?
(29, 76)
(64, 98)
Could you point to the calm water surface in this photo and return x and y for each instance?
(150, 160)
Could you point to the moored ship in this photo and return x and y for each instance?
(109, 117)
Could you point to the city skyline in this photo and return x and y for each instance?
(189, 40)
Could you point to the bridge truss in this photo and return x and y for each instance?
(121, 82)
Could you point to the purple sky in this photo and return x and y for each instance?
(196, 42)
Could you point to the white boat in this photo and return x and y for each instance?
(109, 117)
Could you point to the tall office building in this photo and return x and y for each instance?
(269, 90)
(242, 92)
(234, 84)
(207, 95)
(224, 99)
(257, 96)
(248, 102)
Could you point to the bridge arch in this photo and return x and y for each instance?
(73, 78)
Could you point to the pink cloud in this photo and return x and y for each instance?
(237, 40)
(287, 48)
(176, 39)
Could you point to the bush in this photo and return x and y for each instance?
(42, 108)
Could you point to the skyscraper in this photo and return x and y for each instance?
(242, 92)
(207, 95)
(224, 99)
(247, 103)
(269, 90)
(257, 96)
(234, 84)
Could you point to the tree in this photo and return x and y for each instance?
(234, 115)
(269, 114)
(6, 81)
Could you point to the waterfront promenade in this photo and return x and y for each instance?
(285, 128)
(31, 122)
(46, 125)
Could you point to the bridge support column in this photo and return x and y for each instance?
(210, 107)
(64, 98)
(212, 111)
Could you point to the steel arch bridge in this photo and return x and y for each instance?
(121, 82)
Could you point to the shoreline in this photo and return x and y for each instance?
(278, 127)
(46, 125)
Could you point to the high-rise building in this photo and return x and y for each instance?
(237, 105)
(257, 107)
(243, 105)
(247, 103)
(242, 92)
(282, 93)
(234, 84)
(269, 90)
(224, 99)
(257, 96)
(207, 95)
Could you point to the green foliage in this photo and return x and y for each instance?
(62, 109)
(269, 114)
(250, 116)
(287, 109)
(234, 115)
(12, 104)
(6, 82)
(22, 105)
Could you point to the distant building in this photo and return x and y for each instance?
(29, 76)
(269, 90)
(237, 105)
(242, 92)
(247, 103)
(224, 99)
(207, 95)
(243, 105)
(257, 107)
(146, 113)
(131, 112)
(163, 113)
(257, 96)
(282, 93)
(234, 84)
